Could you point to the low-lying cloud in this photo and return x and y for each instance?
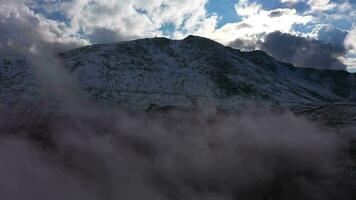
(257, 154)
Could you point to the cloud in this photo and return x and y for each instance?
(326, 11)
(26, 23)
(177, 155)
(256, 21)
(136, 19)
(325, 47)
(321, 5)
(104, 35)
(273, 31)
(350, 43)
(27, 174)
(246, 8)
(291, 1)
(24, 31)
(329, 33)
(304, 52)
(253, 43)
(38, 40)
(314, 5)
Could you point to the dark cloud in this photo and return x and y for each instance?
(243, 25)
(331, 34)
(276, 13)
(104, 35)
(304, 52)
(300, 51)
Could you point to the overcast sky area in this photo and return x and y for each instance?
(307, 33)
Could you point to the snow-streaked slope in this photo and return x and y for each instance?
(198, 70)
(182, 73)
(19, 87)
(337, 115)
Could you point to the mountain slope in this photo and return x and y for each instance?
(184, 72)
(181, 73)
(19, 88)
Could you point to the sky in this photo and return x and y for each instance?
(307, 33)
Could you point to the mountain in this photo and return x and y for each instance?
(198, 70)
(18, 83)
(181, 73)
(186, 154)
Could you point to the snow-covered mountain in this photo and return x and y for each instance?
(186, 72)
(183, 73)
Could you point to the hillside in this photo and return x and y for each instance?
(185, 72)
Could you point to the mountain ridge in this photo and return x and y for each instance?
(195, 70)
(226, 72)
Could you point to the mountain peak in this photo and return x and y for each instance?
(181, 72)
(194, 37)
(202, 40)
(186, 72)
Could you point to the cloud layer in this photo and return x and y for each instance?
(68, 24)
(122, 20)
(176, 155)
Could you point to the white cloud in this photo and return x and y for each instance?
(350, 43)
(327, 11)
(256, 22)
(321, 5)
(245, 8)
(114, 20)
(100, 21)
(315, 5)
(350, 40)
(139, 18)
(291, 1)
(24, 31)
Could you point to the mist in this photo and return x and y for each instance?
(200, 154)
